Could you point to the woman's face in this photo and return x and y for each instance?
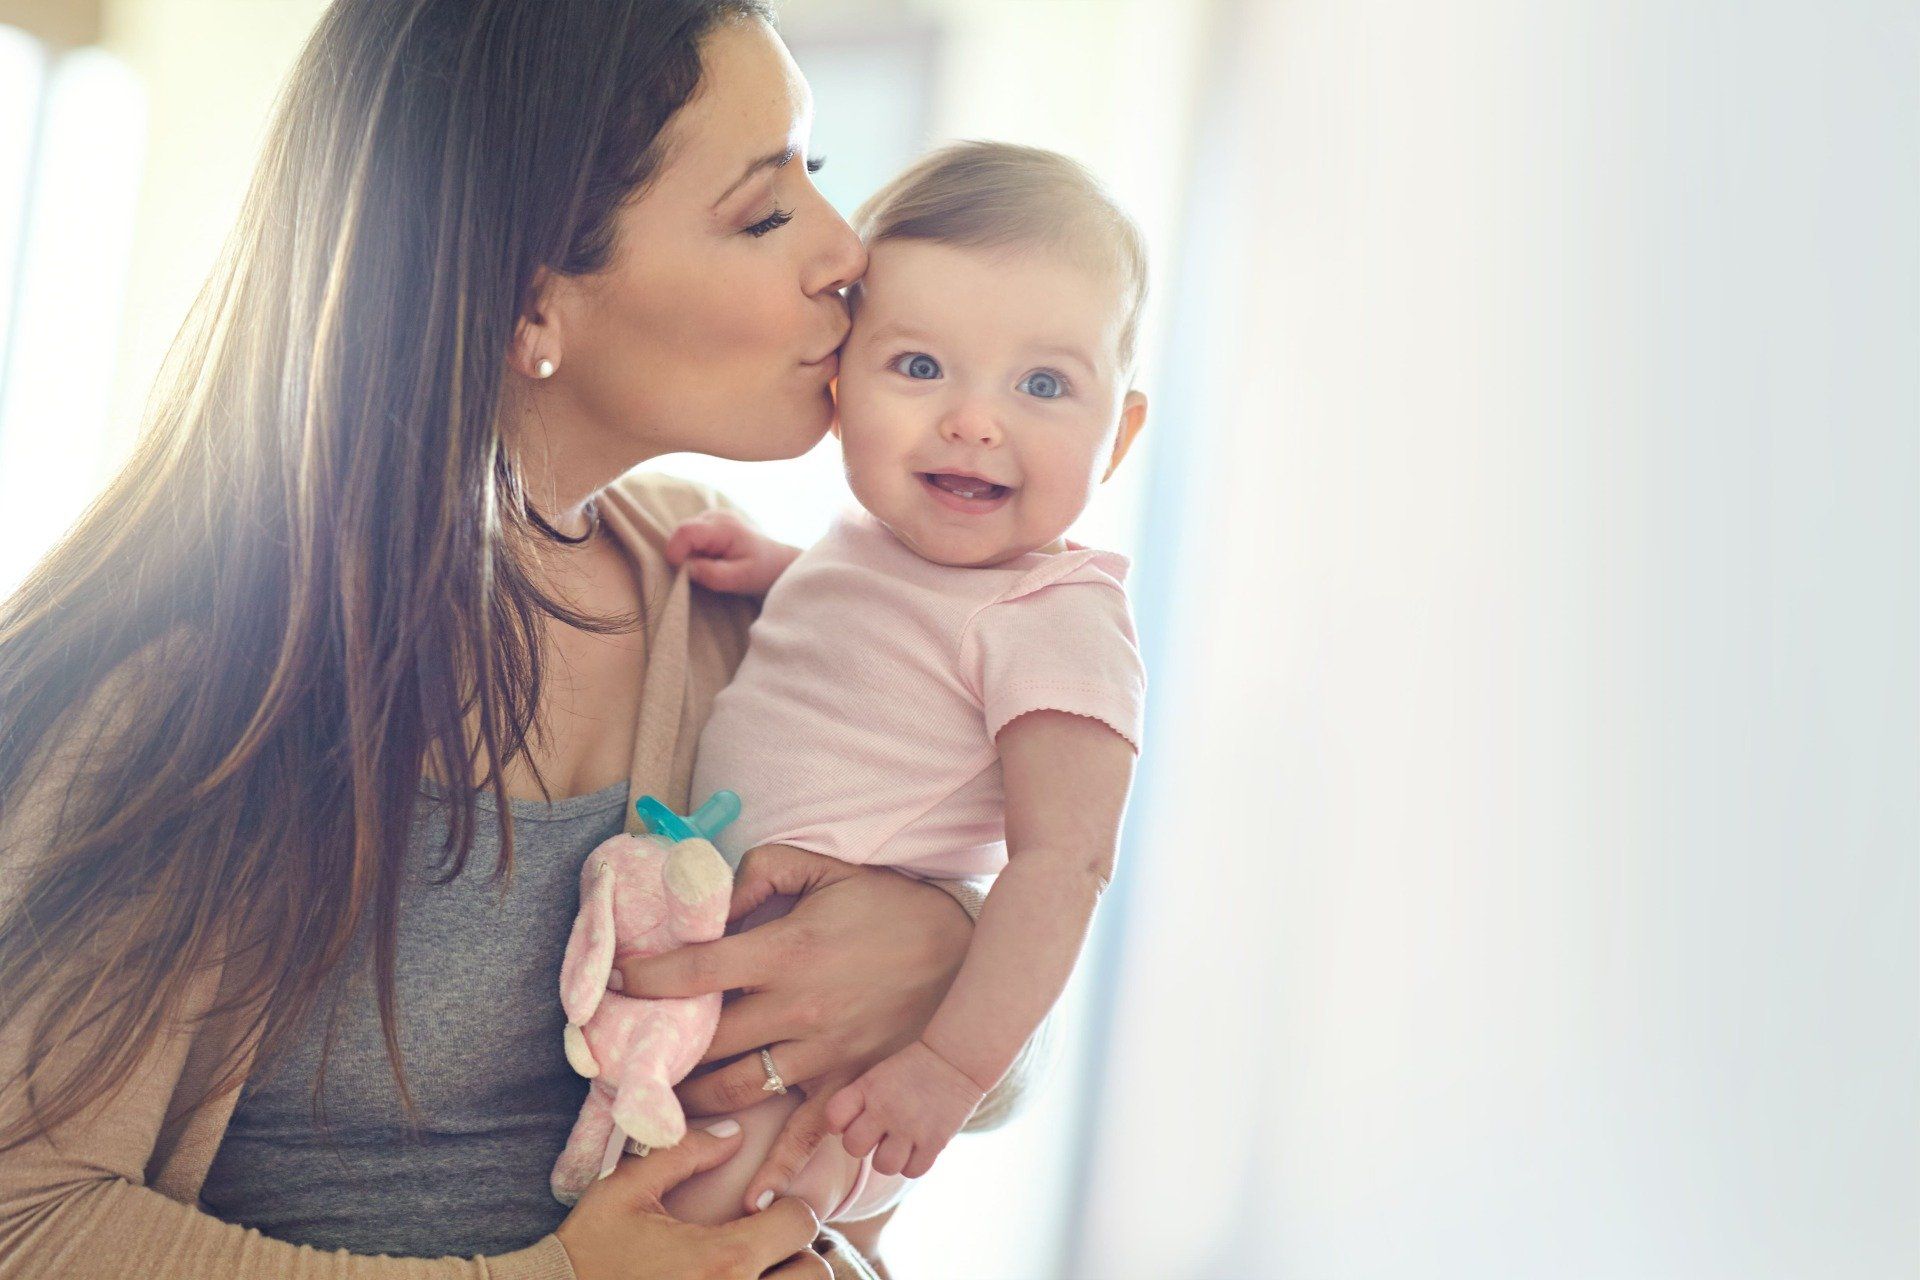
(715, 327)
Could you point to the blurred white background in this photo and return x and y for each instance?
(1524, 874)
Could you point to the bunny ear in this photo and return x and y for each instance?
(589, 962)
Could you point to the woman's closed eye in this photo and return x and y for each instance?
(772, 222)
(781, 217)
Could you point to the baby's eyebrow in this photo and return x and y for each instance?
(1066, 353)
(894, 329)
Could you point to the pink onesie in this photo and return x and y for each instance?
(861, 723)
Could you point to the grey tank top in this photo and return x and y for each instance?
(478, 988)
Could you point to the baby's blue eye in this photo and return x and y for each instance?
(1045, 385)
(919, 365)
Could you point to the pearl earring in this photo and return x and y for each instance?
(544, 369)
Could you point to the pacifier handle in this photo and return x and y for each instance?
(704, 823)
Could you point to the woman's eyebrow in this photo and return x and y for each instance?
(772, 160)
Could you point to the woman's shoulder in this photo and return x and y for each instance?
(641, 510)
(658, 502)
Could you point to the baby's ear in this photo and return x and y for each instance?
(1133, 416)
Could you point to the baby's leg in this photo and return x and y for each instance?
(719, 1194)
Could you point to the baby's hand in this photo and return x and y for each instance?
(908, 1106)
(725, 553)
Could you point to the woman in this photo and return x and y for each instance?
(376, 587)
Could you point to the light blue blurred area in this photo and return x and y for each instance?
(1549, 594)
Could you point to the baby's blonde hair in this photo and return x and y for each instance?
(1001, 194)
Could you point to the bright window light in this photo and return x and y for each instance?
(75, 237)
(22, 75)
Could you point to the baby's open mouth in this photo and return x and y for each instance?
(966, 486)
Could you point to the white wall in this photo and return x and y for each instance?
(143, 153)
(1529, 885)
(211, 70)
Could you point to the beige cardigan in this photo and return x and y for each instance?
(119, 1193)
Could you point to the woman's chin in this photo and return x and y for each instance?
(753, 435)
(798, 442)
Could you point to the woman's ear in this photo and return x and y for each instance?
(1133, 416)
(535, 349)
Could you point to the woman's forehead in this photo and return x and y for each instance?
(752, 103)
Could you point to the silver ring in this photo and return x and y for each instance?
(774, 1083)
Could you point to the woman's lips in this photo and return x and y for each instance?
(991, 497)
(828, 364)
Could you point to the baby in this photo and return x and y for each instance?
(944, 684)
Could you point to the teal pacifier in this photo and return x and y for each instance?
(704, 823)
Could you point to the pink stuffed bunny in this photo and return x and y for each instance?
(639, 896)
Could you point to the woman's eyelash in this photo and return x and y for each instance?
(778, 218)
(781, 217)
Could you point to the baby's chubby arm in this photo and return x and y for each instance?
(723, 552)
(1066, 780)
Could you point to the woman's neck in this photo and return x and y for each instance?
(565, 460)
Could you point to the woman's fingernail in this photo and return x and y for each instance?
(725, 1129)
(766, 1198)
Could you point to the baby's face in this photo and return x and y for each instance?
(980, 401)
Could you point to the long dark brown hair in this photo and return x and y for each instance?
(318, 557)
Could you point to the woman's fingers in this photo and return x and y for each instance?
(785, 1229)
(802, 1135)
(739, 1085)
(805, 1265)
(780, 868)
(698, 968)
(749, 1022)
(645, 1179)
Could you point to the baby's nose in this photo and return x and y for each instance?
(971, 424)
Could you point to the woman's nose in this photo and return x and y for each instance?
(969, 424)
(843, 258)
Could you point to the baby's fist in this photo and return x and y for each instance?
(723, 552)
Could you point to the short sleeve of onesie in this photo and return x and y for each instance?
(1064, 645)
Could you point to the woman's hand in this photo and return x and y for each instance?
(849, 977)
(620, 1231)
